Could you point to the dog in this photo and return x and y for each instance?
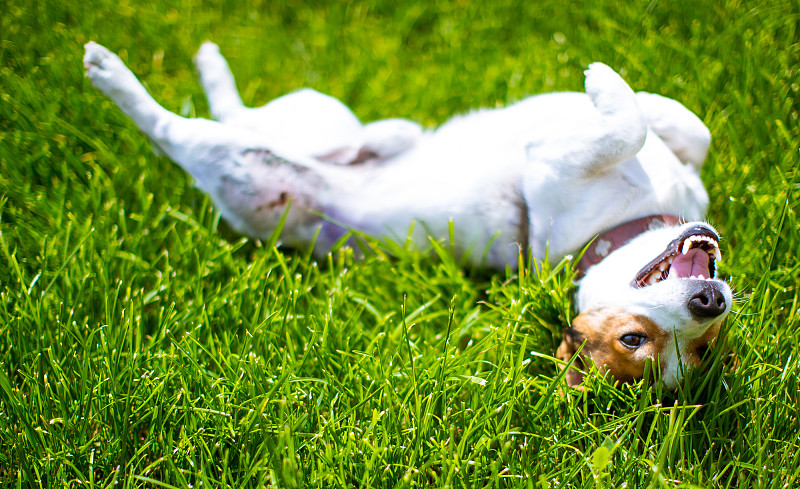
(545, 176)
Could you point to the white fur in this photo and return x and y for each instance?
(552, 170)
(578, 163)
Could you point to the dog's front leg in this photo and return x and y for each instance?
(377, 141)
(587, 144)
(572, 181)
(680, 129)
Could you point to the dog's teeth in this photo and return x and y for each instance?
(707, 243)
(662, 266)
(672, 274)
(700, 277)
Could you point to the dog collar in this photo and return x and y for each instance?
(615, 238)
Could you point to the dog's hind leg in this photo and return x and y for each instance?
(305, 120)
(110, 75)
(218, 83)
(682, 131)
(338, 136)
(249, 183)
(185, 141)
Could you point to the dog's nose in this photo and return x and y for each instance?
(707, 301)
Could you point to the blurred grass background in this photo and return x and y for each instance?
(144, 344)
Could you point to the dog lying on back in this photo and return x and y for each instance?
(550, 173)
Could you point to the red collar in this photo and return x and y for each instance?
(615, 238)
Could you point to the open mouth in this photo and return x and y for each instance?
(692, 255)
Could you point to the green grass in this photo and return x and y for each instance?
(143, 344)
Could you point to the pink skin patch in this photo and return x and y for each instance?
(692, 264)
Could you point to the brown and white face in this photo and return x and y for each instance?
(658, 298)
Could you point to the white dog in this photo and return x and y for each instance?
(548, 174)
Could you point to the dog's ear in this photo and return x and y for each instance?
(570, 342)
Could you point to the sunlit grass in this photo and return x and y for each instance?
(142, 343)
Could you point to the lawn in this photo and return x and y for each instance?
(145, 344)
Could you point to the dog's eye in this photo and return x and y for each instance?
(633, 340)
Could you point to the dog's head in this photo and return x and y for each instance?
(657, 297)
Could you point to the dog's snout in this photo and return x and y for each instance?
(707, 301)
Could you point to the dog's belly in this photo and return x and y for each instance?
(468, 172)
(483, 202)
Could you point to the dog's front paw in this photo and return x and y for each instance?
(622, 122)
(607, 89)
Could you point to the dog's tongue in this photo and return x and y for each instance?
(692, 264)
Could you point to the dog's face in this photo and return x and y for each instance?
(657, 297)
